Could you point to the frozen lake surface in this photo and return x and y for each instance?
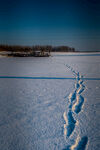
(57, 105)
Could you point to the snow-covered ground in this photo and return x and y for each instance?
(58, 111)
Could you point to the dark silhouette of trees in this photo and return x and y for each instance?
(47, 48)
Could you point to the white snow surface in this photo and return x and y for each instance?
(50, 114)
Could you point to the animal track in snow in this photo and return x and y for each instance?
(78, 105)
(69, 124)
(76, 101)
(80, 144)
(81, 89)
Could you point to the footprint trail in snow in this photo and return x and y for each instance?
(76, 101)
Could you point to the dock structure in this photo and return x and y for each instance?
(30, 54)
(41, 54)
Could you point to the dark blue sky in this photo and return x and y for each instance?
(75, 23)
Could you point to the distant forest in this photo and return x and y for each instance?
(36, 48)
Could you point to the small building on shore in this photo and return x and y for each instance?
(41, 54)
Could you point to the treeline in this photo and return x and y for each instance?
(63, 49)
(46, 48)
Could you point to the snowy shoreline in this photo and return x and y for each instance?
(5, 53)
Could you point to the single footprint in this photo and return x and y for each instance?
(78, 105)
(69, 125)
(79, 145)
